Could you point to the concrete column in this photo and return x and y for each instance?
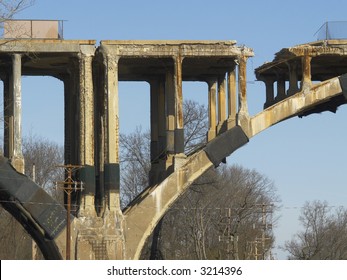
(158, 132)
(243, 107)
(86, 133)
(281, 87)
(70, 125)
(8, 145)
(15, 125)
(170, 111)
(154, 111)
(99, 89)
(179, 129)
(212, 90)
(270, 95)
(221, 103)
(293, 79)
(170, 119)
(111, 166)
(231, 98)
(306, 72)
(161, 131)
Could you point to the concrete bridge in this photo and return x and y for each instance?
(309, 78)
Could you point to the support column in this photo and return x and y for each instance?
(86, 133)
(270, 95)
(170, 118)
(212, 90)
(232, 100)
(154, 111)
(15, 125)
(243, 107)
(179, 129)
(111, 166)
(170, 111)
(99, 81)
(70, 109)
(221, 104)
(161, 131)
(71, 127)
(8, 113)
(293, 79)
(281, 87)
(306, 72)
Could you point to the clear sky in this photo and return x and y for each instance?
(306, 157)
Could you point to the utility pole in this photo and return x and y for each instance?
(228, 236)
(265, 209)
(257, 247)
(69, 186)
(33, 243)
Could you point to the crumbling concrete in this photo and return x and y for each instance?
(101, 230)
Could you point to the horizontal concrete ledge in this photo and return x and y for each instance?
(167, 42)
(47, 41)
(327, 42)
(43, 45)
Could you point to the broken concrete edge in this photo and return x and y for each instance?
(343, 83)
(225, 144)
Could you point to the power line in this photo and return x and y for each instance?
(173, 208)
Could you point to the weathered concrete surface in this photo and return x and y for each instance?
(310, 70)
(92, 121)
(295, 105)
(145, 212)
(42, 216)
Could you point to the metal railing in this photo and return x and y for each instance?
(332, 30)
(33, 29)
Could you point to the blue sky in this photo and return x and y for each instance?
(306, 157)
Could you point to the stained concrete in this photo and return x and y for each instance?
(101, 230)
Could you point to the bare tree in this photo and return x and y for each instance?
(8, 8)
(324, 236)
(42, 156)
(135, 163)
(135, 149)
(219, 216)
(195, 125)
(191, 230)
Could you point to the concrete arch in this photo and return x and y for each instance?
(146, 211)
(42, 217)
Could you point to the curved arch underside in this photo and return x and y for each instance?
(41, 216)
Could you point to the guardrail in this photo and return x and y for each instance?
(332, 30)
(33, 29)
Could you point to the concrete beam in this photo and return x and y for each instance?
(43, 45)
(295, 105)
